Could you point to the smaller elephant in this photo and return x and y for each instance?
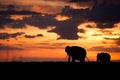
(76, 53)
(103, 57)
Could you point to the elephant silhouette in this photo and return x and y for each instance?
(103, 57)
(76, 53)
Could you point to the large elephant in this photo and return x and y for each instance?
(103, 57)
(76, 53)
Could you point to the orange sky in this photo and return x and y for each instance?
(48, 47)
(31, 41)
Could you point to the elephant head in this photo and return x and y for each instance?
(103, 57)
(76, 53)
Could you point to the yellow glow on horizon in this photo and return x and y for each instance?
(18, 17)
(76, 6)
(90, 31)
(117, 25)
(61, 18)
(83, 25)
(36, 8)
(32, 30)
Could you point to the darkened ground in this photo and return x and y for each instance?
(65, 65)
(62, 70)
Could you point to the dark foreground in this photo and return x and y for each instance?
(58, 63)
(54, 65)
(61, 66)
(58, 70)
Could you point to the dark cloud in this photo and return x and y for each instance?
(103, 49)
(29, 36)
(42, 43)
(19, 44)
(103, 14)
(39, 35)
(33, 36)
(10, 7)
(68, 11)
(107, 32)
(40, 21)
(117, 2)
(97, 34)
(46, 47)
(37, 20)
(58, 0)
(4, 20)
(100, 12)
(58, 44)
(105, 25)
(111, 38)
(81, 30)
(50, 45)
(117, 40)
(89, 26)
(17, 13)
(79, 0)
(1, 44)
(17, 24)
(3, 47)
(11, 11)
(67, 29)
(82, 3)
(12, 35)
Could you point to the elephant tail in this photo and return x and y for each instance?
(87, 59)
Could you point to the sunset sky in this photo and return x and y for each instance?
(39, 30)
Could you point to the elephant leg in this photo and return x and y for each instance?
(82, 60)
(69, 57)
(97, 60)
(73, 59)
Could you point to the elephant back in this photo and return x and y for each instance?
(76, 53)
(103, 57)
(79, 51)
